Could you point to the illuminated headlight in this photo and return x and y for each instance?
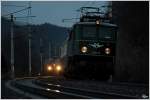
(84, 49)
(58, 68)
(49, 68)
(97, 22)
(107, 50)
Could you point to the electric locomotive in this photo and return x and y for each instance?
(90, 49)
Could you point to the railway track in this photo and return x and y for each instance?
(84, 92)
(56, 91)
(45, 92)
(122, 88)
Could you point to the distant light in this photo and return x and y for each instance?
(107, 50)
(56, 90)
(48, 89)
(58, 85)
(97, 22)
(49, 68)
(58, 68)
(49, 84)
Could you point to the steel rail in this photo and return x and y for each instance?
(17, 11)
(94, 94)
(47, 93)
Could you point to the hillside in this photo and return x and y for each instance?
(47, 32)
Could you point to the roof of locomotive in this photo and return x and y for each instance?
(94, 23)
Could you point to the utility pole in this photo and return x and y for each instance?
(29, 40)
(55, 49)
(30, 54)
(49, 50)
(12, 35)
(41, 55)
(12, 48)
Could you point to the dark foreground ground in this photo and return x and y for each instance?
(136, 90)
(7, 93)
(132, 89)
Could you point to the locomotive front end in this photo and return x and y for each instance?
(94, 49)
(91, 46)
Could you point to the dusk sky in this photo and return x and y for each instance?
(49, 11)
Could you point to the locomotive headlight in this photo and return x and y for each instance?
(107, 50)
(49, 68)
(97, 22)
(58, 68)
(84, 49)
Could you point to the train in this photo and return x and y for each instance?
(90, 48)
(53, 67)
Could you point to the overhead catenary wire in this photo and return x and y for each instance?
(21, 17)
(12, 5)
(69, 19)
(16, 11)
(86, 4)
(25, 24)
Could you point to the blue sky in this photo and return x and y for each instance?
(50, 11)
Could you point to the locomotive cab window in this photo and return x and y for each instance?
(107, 33)
(88, 32)
(95, 32)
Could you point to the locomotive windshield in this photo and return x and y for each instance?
(88, 32)
(106, 33)
(95, 32)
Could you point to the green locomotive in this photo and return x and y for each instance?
(90, 49)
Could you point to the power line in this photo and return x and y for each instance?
(13, 6)
(17, 11)
(21, 17)
(69, 19)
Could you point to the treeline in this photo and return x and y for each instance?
(50, 35)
